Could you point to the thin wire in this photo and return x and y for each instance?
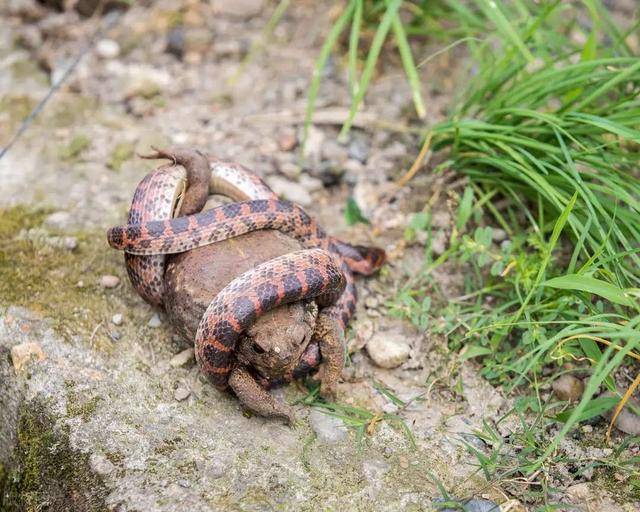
(109, 20)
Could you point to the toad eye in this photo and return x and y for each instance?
(258, 349)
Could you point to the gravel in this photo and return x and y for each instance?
(109, 281)
(388, 349)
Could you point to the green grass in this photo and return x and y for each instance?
(547, 131)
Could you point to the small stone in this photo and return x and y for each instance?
(290, 190)
(290, 170)
(176, 42)
(568, 388)
(24, 353)
(313, 144)
(627, 421)
(80, 284)
(388, 349)
(371, 302)
(328, 429)
(184, 483)
(116, 335)
(107, 48)
(358, 150)
(109, 281)
(498, 235)
(181, 393)
(310, 183)
(182, 358)
(441, 219)
(439, 243)
(287, 141)
(243, 9)
(59, 221)
(403, 462)
(117, 319)
(155, 321)
(70, 243)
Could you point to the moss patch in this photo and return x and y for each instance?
(120, 154)
(59, 283)
(48, 474)
(74, 149)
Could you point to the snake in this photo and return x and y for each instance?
(323, 270)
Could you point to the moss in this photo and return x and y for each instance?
(13, 109)
(74, 149)
(47, 474)
(23, 70)
(84, 409)
(120, 154)
(45, 279)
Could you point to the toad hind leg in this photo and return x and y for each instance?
(257, 398)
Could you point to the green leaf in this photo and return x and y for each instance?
(465, 208)
(370, 63)
(595, 407)
(592, 285)
(475, 351)
(352, 213)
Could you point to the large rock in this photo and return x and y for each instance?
(88, 429)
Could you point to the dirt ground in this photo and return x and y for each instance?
(136, 428)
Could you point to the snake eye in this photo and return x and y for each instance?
(258, 349)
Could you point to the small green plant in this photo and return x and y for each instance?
(362, 421)
(381, 17)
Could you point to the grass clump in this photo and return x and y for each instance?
(547, 132)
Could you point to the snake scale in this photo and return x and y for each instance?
(323, 270)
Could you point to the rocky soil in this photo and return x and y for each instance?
(101, 405)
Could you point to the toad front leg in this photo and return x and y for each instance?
(329, 336)
(256, 398)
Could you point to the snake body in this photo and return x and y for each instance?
(324, 270)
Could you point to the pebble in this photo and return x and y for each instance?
(328, 429)
(117, 319)
(313, 144)
(290, 170)
(441, 219)
(287, 141)
(290, 190)
(155, 321)
(24, 353)
(181, 393)
(109, 281)
(182, 358)
(175, 42)
(627, 421)
(358, 150)
(60, 221)
(70, 243)
(498, 235)
(243, 9)
(107, 48)
(116, 335)
(439, 243)
(388, 349)
(568, 388)
(334, 152)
